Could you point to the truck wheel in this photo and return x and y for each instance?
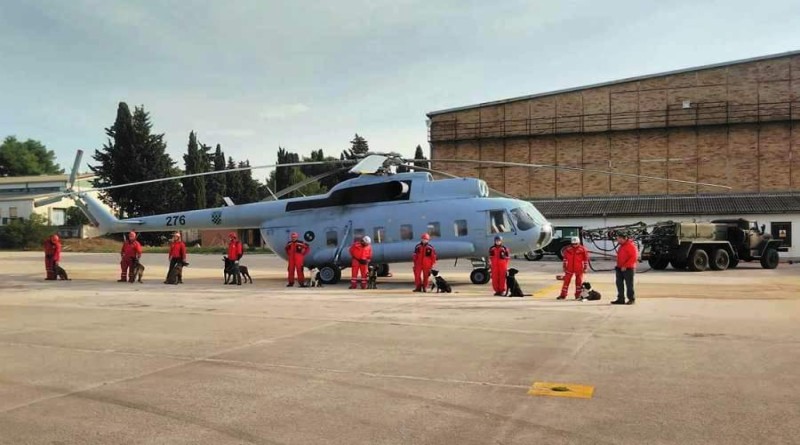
(658, 263)
(678, 265)
(698, 260)
(330, 274)
(720, 260)
(560, 253)
(479, 276)
(734, 262)
(770, 259)
(534, 256)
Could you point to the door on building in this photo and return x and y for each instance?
(783, 232)
(58, 217)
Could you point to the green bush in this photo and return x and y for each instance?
(25, 233)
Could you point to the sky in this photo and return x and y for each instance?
(253, 75)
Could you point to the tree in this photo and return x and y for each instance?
(250, 187)
(233, 182)
(29, 233)
(358, 148)
(76, 217)
(133, 154)
(418, 154)
(196, 161)
(29, 158)
(215, 184)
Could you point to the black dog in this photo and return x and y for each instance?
(372, 277)
(512, 285)
(61, 273)
(229, 273)
(138, 272)
(440, 283)
(589, 294)
(313, 280)
(175, 275)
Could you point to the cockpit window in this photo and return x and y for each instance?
(522, 219)
(498, 220)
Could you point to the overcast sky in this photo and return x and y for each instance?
(255, 75)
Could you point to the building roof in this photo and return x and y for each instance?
(731, 204)
(40, 178)
(615, 82)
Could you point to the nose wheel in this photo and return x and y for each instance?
(330, 274)
(480, 275)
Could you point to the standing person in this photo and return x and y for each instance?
(627, 257)
(235, 253)
(52, 255)
(130, 253)
(424, 259)
(296, 251)
(177, 254)
(361, 253)
(576, 262)
(499, 257)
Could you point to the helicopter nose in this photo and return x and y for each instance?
(545, 236)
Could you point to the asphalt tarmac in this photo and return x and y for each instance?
(702, 358)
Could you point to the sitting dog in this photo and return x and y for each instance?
(61, 273)
(512, 285)
(138, 272)
(372, 277)
(313, 279)
(589, 294)
(440, 283)
(229, 275)
(175, 275)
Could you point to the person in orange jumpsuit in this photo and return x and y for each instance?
(499, 257)
(130, 254)
(576, 262)
(424, 259)
(235, 253)
(52, 255)
(361, 254)
(177, 254)
(296, 251)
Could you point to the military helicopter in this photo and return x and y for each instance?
(394, 209)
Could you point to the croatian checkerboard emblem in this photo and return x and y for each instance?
(216, 217)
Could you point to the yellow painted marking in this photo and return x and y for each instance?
(561, 390)
(549, 292)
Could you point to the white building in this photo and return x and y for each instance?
(777, 212)
(18, 193)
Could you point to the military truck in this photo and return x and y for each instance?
(720, 244)
(562, 236)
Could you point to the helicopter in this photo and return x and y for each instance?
(393, 208)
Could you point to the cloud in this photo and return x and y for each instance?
(285, 111)
(231, 132)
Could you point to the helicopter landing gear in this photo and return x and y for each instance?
(383, 270)
(480, 275)
(330, 274)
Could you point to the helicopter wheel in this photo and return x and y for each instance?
(330, 274)
(479, 276)
(383, 270)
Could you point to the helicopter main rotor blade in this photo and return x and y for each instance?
(576, 169)
(218, 172)
(75, 166)
(303, 183)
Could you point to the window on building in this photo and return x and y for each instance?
(379, 234)
(434, 230)
(358, 234)
(460, 227)
(499, 222)
(331, 238)
(406, 232)
(12, 212)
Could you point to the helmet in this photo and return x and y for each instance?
(575, 240)
(366, 240)
(131, 235)
(293, 235)
(177, 234)
(498, 238)
(232, 235)
(54, 237)
(426, 236)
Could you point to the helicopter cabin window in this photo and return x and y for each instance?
(358, 234)
(331, 238)
(434, 230)
(406, 232)
(379, 234)
(499, 222)
(460, 227)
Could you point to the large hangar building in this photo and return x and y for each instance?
(733, 124)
